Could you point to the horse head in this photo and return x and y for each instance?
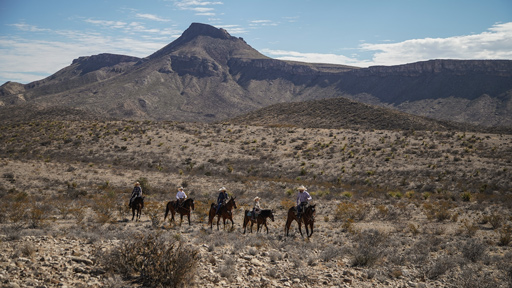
(231, 202)
(191, 203)
(272, 215)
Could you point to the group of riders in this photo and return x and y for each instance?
(303, 198)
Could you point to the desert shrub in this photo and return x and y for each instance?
(439, 211)
(466, 196)
(370, 246)
(331, 252)
(495, 220)
(153, 210)
(475, 278)
(504, 235)
(473, 250)
(105, 208)
(201, 209)
(286, 203)
(37, 214)
(347, 210)
(414, 229)
(155, 260)
(468, 228)
(438, 267)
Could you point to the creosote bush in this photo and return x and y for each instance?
(156, 260)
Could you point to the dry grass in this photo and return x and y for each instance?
(400, 206)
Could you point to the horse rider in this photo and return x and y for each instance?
(303, 198)
(256, 209)
(180, 197)
(223, 197)
(137, 192)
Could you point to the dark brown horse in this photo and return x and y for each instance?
(308, 217)
(183, 209)
(260, 220)
(224, 212)
(137, 205)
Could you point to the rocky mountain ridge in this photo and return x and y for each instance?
(208, 75)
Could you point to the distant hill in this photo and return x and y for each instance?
(342, 113)
(208, 75)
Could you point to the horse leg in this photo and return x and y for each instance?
(133, 213)
(188, 215)
(287, 226)
(300, 228)
(312, 223)
(166, 211)
(245, 223)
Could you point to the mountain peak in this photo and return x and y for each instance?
(193, 31)
(199, 29)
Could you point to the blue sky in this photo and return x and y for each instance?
(38, 38)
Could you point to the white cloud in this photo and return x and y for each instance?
(255, 23)
(151, 17)
(27, 27)
(198, 6)
(314, 57)
(107, 23)
(496, 43)
(26, 60)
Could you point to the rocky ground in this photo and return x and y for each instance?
(394, 209)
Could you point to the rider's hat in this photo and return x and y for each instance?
(222, 189)
(180, 188)
(137, 183)
(301, 187)
(256, 198)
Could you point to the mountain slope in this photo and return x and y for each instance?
(341, 113)
(208, 75)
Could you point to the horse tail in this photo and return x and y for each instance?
(167, 210)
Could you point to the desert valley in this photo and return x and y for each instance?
(401, 200)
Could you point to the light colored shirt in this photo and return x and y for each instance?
(180, 195)
(256, 205)
(303, 197)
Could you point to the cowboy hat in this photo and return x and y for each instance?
(180, 188)
(256, 198)
(222, 189)
(301, 187)
(137, 183)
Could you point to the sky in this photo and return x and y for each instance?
(38, 38)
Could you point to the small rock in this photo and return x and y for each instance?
(256, 262)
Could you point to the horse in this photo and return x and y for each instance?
(307, 216)
(224, 211)
(183, 209)
(137, 205)
(260, 220)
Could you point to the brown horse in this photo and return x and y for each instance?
(137, 205)
(183, 209)
(260, 220)
(308, 217)
(224, 212)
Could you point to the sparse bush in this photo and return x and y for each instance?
(153, 210)
(105, 208)
(473, 250)
(347, 210)
(440, 266)
(369, 248)
(505, 235)
(155, 260)
(466, 196)
(469, 228)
